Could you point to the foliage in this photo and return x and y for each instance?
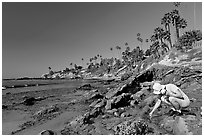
(187, 39)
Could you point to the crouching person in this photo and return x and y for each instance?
(171, 95)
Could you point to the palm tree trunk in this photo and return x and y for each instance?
(169, 37)
(177, 31)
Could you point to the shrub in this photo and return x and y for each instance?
(187, 39)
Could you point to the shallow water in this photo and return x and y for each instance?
(51, 84)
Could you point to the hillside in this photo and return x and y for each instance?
(124, 108)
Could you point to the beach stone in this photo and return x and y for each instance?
(29, 101)
(47, 132)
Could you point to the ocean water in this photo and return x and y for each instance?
(48, 84)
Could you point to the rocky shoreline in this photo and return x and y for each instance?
(114, 107)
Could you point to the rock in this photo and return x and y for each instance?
(77, 120)
(125, 114)
(105, 116)
(29, 101)
(117, 91)
(3, 88)
(86, 87)
(96, 96)
(47, 132)
(121, 100)
(108, 105)
(177, 125)
(147, 84)
(140, 94)
(133, 102)
(46, 112)
(94, 103)
(111, 93)
(4, 106)
(148, 101)
(116, 114)
(95, 112)
(111, 111)
(100, 104)
(133, 127)
(120, 110)
(8, 93)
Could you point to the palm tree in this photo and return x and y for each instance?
(118, 48)
(71, 64)
(50, 71)
(154, 49)
(158, 41)
(178, 22)
(159, 34)
(95, 58)
(82, 59)
(166, 20)
(111, 49)
(177, 4)
(126, 44)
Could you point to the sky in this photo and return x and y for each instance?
(36, 36)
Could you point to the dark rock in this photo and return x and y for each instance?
(121, 100)
(8, 93)
(140, 94)
(4, 106)
(86, 87)
(47, 132)
(29, 101)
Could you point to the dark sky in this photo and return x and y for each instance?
(38, 35)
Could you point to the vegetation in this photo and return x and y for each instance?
(186, 41)
(159, 43)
